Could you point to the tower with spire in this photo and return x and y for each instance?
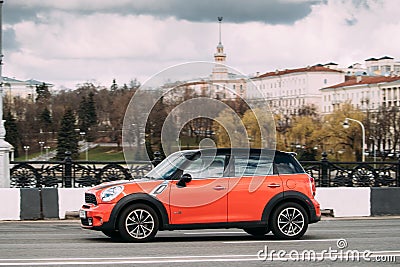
(220, 72)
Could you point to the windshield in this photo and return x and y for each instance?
(167, 167)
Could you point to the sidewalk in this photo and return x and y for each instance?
(53, 153)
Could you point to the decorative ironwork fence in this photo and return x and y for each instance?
(353, 174)
(69, 173)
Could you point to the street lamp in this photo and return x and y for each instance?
(47, 152)
(83, 134)
(41, 144)
(346, 125)
(26, 148)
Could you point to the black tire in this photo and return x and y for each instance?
(114, 235)
(257, 231)
(289, 221)
(138, 223)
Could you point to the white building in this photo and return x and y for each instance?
(384, 66)
(363, 92)
(24, 89)
(288, 91)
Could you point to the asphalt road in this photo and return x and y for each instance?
(64, 243)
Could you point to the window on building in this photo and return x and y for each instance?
(386, 68)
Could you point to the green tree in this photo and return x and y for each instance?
(341, 144)
(155, 122)
(46, 120)
(114, 86)
(91, 110)
(302, 135)
(12, 134)
(87, 114)
(42, 93)
(229, 130)
(67, 136)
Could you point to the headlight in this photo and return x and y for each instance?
(111, 193)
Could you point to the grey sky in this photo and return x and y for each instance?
(267, 11)
(72, 41)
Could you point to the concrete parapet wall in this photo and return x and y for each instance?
(55, 203)
(345, 201)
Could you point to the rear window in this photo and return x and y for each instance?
(287, 164)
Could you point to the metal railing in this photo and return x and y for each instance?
(353, 174)
(69, 173)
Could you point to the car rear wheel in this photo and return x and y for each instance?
(289, 221)
(138, 223)
(257, 231)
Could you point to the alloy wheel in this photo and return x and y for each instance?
(291, 221)
(139, 223)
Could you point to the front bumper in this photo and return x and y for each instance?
(95, 217)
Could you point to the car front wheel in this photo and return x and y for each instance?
(138, 223)
(289, 221)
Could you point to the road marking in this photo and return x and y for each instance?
(280, 241)
(131, 260)
(173, 259)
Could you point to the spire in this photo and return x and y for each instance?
(220, 20)
(220, 55)
(220, 72)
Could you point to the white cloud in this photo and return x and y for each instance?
(67, 48)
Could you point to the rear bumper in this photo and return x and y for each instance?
(315, 212)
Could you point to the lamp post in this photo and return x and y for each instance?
(41, 144)
(47, 152)
(26, 148)
(346, 125)
(83, 134)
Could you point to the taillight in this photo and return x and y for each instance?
(312, 185)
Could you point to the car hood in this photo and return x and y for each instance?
(121, 182)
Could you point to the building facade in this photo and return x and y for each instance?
(384, 66)
(288, 91)
(366, 93)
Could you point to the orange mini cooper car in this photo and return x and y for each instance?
(256, 190)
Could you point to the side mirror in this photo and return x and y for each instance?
(185, 178)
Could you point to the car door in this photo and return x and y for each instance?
(204, 198)
(252, 186)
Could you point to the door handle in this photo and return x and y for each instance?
(219, 188)
(274, 185)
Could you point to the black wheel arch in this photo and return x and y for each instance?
(290, 196)
(136, 198)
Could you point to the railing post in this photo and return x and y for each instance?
(398, 172)
(324, 170)
(68, 170)
(157, 158)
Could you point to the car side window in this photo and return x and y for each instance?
(206, 167)
(254, 165)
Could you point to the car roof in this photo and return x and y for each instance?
(236, 151)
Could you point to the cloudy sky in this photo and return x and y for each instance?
(69, 42)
